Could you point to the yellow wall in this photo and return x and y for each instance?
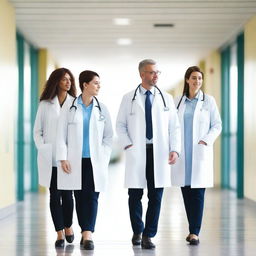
(46, 66)
(249, 110)
(8, 84)
(212, 86)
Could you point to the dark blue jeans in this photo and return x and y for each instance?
(154, 202)
(87, 198)
(194, 205)
(61, 204)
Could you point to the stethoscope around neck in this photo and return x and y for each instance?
(101, 118)
(135, 94)
(184, 95)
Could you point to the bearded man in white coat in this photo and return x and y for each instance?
(149, 131)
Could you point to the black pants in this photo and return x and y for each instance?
(87, 198)
(61, 204)
(194, 205)
(154, 202)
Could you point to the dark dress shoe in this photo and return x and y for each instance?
(136, 239)
(81, 241)
(70, 238)
(60, 243)
(188, 238)
(146, 243)
(194, 241)
(88, 245)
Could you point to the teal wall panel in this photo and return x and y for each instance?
(225, 146)
(27, 176)
(20, 121)
(34, 104)
(240, 117)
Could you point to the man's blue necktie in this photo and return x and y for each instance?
(148, 115)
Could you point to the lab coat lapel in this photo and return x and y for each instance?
(196, 124)
(181, 109)
(55, 104)
(94, 126)
(96, 133)
(94, 114)
(67, 100)
(198, 105)
(139, 100)
(157, 97)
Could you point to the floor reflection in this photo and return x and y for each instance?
(229, 226)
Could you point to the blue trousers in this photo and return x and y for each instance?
(61, 204)
(194, 205)
(87, 198)
(154, 202)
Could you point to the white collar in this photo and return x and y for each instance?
(143, 90)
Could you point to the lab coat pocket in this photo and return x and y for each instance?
(204, 115)
(70, 181)
(106, 154)
(44, 161)
(203, 152)
(129, 153)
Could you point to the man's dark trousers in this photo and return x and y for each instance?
(154, 201)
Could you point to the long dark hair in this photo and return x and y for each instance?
(52, 84)
(188, 73)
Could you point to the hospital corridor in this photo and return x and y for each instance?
(127, 128)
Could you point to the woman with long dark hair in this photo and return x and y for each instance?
(59, 90)
(200, 126)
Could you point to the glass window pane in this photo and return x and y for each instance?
(233, 116)
(27, 129)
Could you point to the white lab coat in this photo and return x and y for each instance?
(45, 129)
(70, 145)
(207, 127)
(131, 129)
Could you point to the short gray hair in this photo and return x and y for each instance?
(146, 62)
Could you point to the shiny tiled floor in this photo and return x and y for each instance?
(229, 226)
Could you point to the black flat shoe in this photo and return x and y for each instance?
(146, 243)
(88, 244)
(136, 239)
(70, 238)
(60, 243)
(194, 241)
(81, 241)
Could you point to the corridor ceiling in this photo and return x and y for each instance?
(83, 30)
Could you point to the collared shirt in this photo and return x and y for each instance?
(86, 127)
(188, 136)
(151, 97)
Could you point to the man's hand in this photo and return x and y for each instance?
(65, 166)
(173, 156)
(128, 146)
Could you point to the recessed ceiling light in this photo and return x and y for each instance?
(121, 21)
(124, 41)
(164, 25)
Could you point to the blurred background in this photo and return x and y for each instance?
(111, 37)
